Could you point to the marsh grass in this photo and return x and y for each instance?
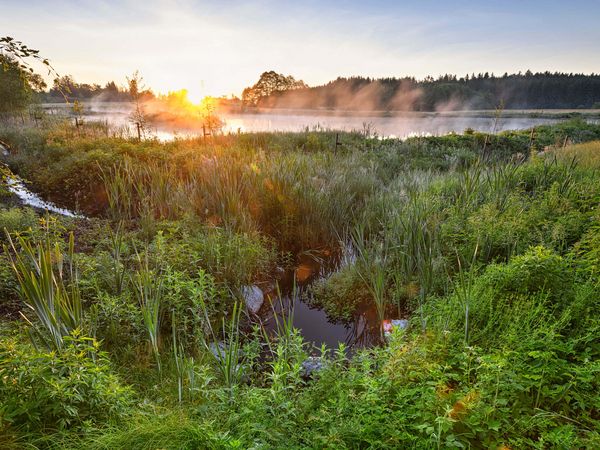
(413, 238)
(371, 262)
(48, 284)
(465, 288)
(225, 347)
(119, 270)
(184, 365)
(148, 290)
(510, 343)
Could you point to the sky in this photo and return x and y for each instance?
(220, 47)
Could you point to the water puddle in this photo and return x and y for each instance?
(286, 297)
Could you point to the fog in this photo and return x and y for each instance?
(396, 126)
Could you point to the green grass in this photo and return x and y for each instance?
(494, 258)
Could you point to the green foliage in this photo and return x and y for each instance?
(496, 260)
(340, 294)
(187, 297)
(538, 270)
(15, 91)
(48, 289)
(43, 390)
(227, 353)
(18, 220)
(118, 323)
(148, 289)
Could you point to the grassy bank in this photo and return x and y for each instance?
(488, 244)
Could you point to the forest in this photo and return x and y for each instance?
(446, 93)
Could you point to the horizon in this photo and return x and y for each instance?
(213, 50)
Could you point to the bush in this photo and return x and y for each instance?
(538, 270)
(340, 294)
(19, 220)
(46, 390)
(117, 322)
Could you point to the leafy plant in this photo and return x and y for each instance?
(45, 390)
(148, 289)
(49, 289)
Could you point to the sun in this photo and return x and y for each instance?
(195, 96)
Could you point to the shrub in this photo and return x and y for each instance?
(46, 390)
(117, 322)
(587, 251)
(340, 294)
(19, 220)
(538, 270)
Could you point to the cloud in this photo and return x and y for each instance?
(221, 47)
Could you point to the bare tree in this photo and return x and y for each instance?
(137, 117)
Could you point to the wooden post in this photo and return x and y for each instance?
(337, 142)
(485, 143)
(531, 138)
(204, 132)
(139, 131)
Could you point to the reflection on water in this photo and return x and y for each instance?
(287, 299)
(401, 126)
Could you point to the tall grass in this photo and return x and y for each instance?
(301, 200)
(148, 289)
(464, 289)
(372, 265)
(48, 283)
(119, 270)
(413, 238)
(226, 352)
(184, 365)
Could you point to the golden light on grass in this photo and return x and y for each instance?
(303, 272)
(462, 406)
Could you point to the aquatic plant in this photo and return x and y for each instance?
(48, 284)
(148, 289)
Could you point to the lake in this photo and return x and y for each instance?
(401, 125)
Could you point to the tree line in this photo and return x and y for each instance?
(543, 90)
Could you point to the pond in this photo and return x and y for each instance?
(288, 298)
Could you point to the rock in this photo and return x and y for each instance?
(254, 298)
(216, 347)
(221, 347)
(390, 325)
(312, 365)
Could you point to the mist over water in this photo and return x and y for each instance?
(400, 126)
(397, 126)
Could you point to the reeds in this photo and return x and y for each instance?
(464, 289)
(413, 237)
(184, 365)
(372, 265)
(227, 352)
(119, 271)
(48, 285)
(148, 289)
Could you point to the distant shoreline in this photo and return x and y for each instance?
(483, 113)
